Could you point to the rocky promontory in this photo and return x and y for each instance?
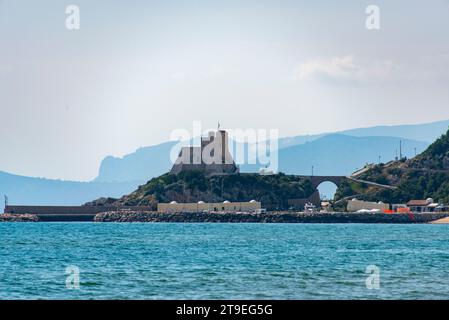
(6, 217)
(193, 186)
(272, 217)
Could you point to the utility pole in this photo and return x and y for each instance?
(400, 149)
(211, 192)
(379, 158)
(6, 201)
(312, 171)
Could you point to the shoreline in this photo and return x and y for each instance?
(226, 217)
(273, 217)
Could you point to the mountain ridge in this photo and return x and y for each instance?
(41, 191)
(127, 166)
(339, 154)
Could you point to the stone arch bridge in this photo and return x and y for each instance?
(317, 180)
(337, 180)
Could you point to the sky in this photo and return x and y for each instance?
(137, 70)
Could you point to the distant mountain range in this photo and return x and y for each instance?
(338, 154)
(141, 165)
(330, 153)
(427, 132)
(152, 161)
(38, 191)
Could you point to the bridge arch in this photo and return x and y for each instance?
(314, 198)
(327, 190)
(317, 180)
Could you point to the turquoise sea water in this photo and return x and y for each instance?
(223, 261)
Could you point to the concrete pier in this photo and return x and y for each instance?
(66, 213)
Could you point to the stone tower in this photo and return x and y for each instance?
(212, 157)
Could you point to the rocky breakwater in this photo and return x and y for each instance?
(272, 217)
(6, 217)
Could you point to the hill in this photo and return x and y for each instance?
(334, 154)
(273, 190)
(425, 176)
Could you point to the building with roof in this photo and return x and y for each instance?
(427, 205)
(420, 205)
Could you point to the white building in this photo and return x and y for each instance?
(200, 206)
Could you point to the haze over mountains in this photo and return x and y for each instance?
(338, 154)
(330, 153)
(136, 165)
(40, 191)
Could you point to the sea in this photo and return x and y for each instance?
(223, 261)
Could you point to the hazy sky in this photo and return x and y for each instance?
(136, 70)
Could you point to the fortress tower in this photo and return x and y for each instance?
(212, 157)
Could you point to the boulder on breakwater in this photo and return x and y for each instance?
(271, 217)
(7, 217)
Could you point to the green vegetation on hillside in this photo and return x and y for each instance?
(435, 157)
(192, 186)
(425, 176)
